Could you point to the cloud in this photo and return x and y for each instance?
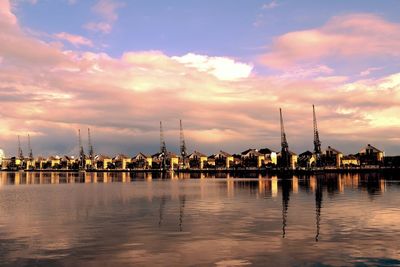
(369, 71)
(6, 15)
(347, 36)
(221, 67)
(50, 92)
(75, 40)
(270, 5)
(107, 10)
(306, 71)
(98, 27)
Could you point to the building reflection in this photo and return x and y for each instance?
(372, 183)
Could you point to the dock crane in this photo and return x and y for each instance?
(285, 154)
(317, 142)
(82, 156)
(163, 149)
(20, 153)
(30, 148)
(182, 145)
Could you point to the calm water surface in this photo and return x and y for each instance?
(111, 219)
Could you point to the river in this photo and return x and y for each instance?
(112, 219)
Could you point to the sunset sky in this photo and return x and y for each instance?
(224, 67)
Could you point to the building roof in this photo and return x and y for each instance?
(101, 157)
(53, 158)
(156, 155)
(197, 154)
(121, 157)
(223, 153)
(141, 155)
(65, 157)
(265, 150)
(251, 151)
(374, 149)
(333, 150)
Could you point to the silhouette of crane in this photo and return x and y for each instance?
(317, 142)
(285, 154)
(182, 144)
(30, 148)
(163, 148)
(82, 156)
(20, 152)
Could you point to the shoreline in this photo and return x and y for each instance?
(232, 171)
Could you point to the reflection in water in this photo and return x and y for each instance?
(161, 210)
(286, 185)
(131, 219)
(181, 211)
(318, 205)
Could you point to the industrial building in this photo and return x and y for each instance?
(332, 157)
(197, 160)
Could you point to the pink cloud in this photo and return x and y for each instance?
(6, 15)
(75, 40)
(50, 92)
(348, 36)
(107, 10)
(103, 27)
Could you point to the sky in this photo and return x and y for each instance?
(224, 67)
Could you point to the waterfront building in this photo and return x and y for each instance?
(103, 162)
(270, 157)
(40, 162)
(2, 156)
(156, 160)
(307, 159)
(293, 159)
(252, 158)
(121, 161)
(30, 163)
(171, 160)
(142, 161)
(370, 155)
(350, 161)
(237, 161)
(211, 161)
(197, 160)
(332, 157)
(68, 162)
(223, 160)
(53, 162)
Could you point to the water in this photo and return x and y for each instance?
(110, 219)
